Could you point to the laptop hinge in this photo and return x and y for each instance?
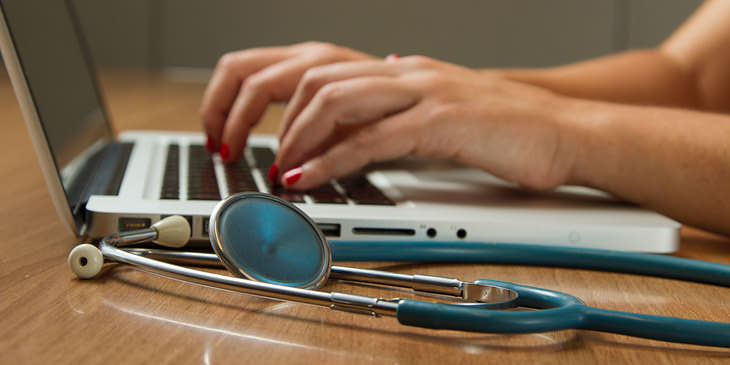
(101, 175)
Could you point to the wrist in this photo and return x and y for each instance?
(586, 138)
(578, 122)
(560, 141)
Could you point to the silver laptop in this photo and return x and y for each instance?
(101, 183)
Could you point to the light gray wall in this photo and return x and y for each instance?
(470, 32)
(118, 32)
(651, 21)
(194, 33)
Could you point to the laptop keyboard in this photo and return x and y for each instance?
(203, 184)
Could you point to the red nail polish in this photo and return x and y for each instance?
(209, 145)
(293, 175)
(273, 173)
(392, 57)
(225, 151)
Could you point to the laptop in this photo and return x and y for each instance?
(102, 183)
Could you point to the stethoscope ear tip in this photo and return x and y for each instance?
(85, 261)
(172, 231)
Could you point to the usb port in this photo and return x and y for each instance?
(329, 229)
(206, 225)
(130, 224)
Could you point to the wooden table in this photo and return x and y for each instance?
(126, 316)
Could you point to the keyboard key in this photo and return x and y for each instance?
(170, 194)
(206, 196)
(327, 194)
(171, 178)
(361, 191)
(202, 182)
(239, 177)
(264, 157)
(288, 195)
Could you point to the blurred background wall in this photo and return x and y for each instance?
(160, 34)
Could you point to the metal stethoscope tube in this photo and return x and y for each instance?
(426, 284)
(86, 261)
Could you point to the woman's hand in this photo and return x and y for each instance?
(346, 115)
(245, 82)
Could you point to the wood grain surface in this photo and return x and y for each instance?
(127, 316)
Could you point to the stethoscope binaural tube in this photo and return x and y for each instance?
(277, 272)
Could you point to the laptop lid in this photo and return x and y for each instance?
(51, 72)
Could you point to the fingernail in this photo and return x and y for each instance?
(209, 146)
(225, 151)
(293, 175)
(273, 173)
(392, 57)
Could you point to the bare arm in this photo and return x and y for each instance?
(690, 69)
(674, 161)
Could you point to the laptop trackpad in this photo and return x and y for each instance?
(436, 182)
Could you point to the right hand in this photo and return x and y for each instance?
(245, 82)
(345, 116)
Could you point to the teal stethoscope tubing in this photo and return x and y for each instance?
(526, 254)
(558, 311)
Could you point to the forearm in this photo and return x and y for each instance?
(647, 77)
(676, 162)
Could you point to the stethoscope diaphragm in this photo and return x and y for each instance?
(264, 238)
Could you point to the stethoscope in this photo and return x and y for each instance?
(276, 251)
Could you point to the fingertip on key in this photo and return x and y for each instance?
(225, 151)
(292, 176)
(273, 173)
(210, 145)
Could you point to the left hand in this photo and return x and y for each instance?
(344, 116)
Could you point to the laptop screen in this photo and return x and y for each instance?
(58, 72)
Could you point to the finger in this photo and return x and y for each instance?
(353, 101)
(315, 78)
(384, 140)
(274, 83)
(226, 81)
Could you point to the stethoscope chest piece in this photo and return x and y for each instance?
(261, 237)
